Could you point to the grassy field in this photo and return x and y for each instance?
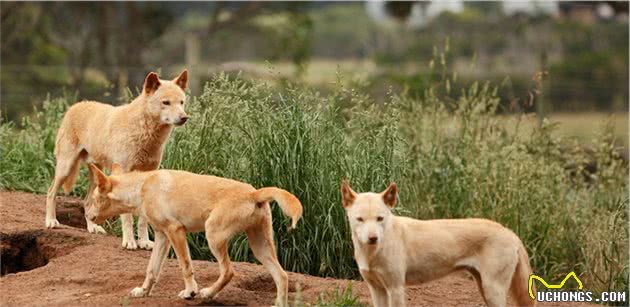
(539, 183)
(582, 126)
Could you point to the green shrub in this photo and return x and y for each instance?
(292, 140)
(27, 161)
(339, 297)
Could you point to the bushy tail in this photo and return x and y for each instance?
(289, 204)
(520, 280)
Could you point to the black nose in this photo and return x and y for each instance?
(182, 120)
(372, 240)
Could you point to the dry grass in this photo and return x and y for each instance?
(581, 126)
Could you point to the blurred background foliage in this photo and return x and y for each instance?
(99, 49)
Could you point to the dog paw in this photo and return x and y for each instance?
(129, 244)
(187, 294)
(52, 223)
(145, 244)
(137, 292)
(206, 293)
(96, 229)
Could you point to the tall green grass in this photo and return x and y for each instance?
(292, 139)
(448, 152)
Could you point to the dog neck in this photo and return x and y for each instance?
(367, 254)
(130, 185)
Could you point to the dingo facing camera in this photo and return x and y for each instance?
(131, 135)
(393, 251)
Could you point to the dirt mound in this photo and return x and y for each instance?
(70, 267)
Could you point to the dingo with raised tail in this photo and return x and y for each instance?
(177, 202)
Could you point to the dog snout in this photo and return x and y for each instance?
(182, 120)
(372, 239)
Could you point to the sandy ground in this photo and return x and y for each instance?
(70, 267)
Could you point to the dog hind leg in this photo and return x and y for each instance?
(477, 278)
(67, 159)
(496, 280)
(217, 241)
(260, 239)
(495, 293)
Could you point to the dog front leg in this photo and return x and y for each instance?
(378, 294)
(128, 241)
(143, 233)
(177, 237)
(397, 296)
(155, 265)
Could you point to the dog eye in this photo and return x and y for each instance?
(360, 219)
(379, 219)
(166, 103)
(182, 102)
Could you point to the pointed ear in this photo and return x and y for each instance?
(117, 169)
(102, 181)
(182, 80)
(390, 194)
(347, 194)
(151, 83)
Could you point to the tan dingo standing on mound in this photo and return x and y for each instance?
(394, 251)
(131, 135)
(177, 202)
